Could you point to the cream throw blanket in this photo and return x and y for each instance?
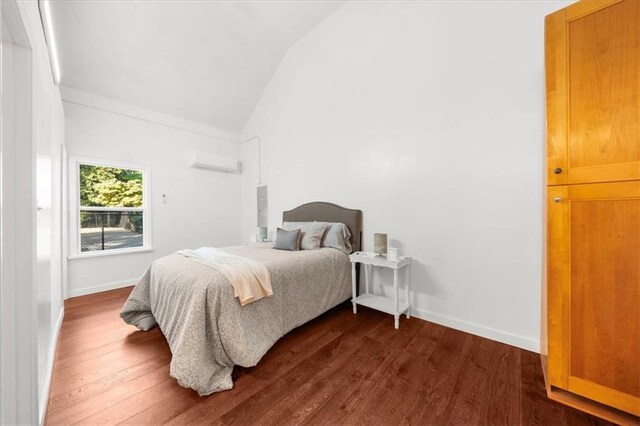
(249, 278)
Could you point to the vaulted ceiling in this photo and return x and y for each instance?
(203, 61)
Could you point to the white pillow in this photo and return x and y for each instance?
(311, 233)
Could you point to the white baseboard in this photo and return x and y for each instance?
(44, 396)
(478, 330)
(102, 287)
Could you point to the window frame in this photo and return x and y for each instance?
(75, 207)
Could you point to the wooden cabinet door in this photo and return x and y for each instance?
(594, 292)
(593, 92)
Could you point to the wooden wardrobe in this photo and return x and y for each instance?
(592, 287)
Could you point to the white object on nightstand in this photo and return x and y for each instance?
(389, 305)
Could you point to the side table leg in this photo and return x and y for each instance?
(396, 321)
(367, 278)
(408, 290)
(353, 286)
(395, 290)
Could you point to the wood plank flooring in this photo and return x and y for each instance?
(338, 369)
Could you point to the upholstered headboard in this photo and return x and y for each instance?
(327, 212)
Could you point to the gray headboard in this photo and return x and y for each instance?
(327, 212)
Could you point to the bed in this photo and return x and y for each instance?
(207, 329)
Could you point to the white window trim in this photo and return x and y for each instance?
(74, 207)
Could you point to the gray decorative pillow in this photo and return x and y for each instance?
(311, 233)
(337, 236)
(287, 240)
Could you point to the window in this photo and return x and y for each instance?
(111, 215)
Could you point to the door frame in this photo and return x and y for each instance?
(18, 322)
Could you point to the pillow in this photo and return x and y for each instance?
(287, 240)
(311, 233)
(336, 234)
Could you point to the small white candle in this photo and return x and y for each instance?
(392, 253)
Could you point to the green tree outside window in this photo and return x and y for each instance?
(110, 187)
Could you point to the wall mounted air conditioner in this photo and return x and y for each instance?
(204, 160)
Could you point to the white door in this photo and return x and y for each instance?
(44, 185)
(18, 359)
(3, 64)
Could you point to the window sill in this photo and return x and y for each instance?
(101, 253)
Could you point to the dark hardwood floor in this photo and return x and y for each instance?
(338, 369)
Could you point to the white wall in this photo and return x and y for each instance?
(430, 118)
(202, 207)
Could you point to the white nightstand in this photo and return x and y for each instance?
(389, 305)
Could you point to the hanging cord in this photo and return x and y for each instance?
(259, 156)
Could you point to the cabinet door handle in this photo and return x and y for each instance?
(557, 170)
(557, 199)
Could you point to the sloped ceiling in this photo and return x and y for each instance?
(202, 61)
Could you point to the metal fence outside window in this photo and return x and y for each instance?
(110, 230)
